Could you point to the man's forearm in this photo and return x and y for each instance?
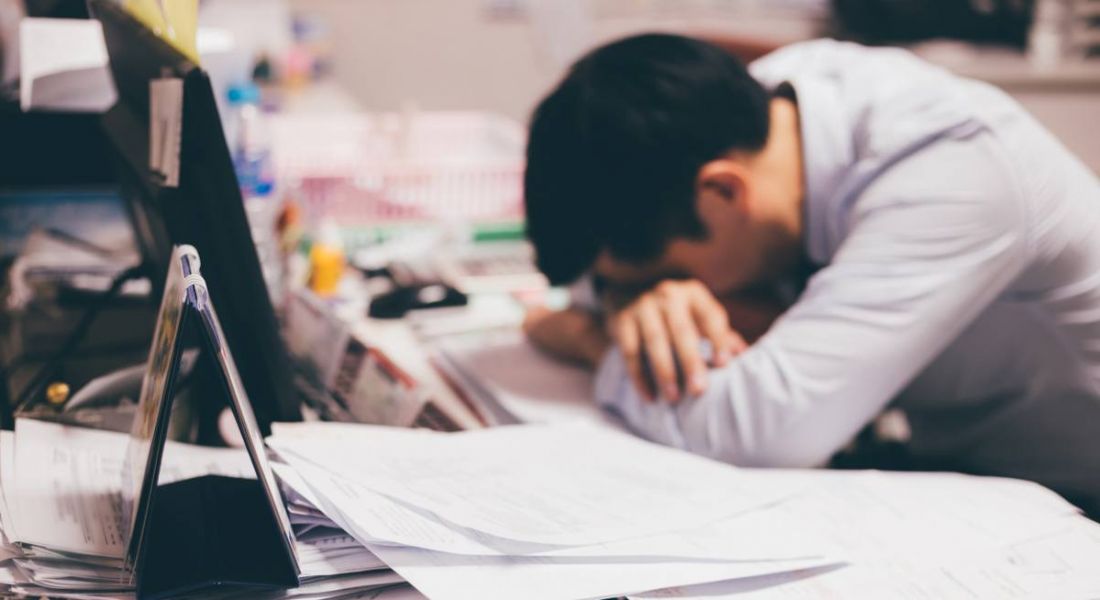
(751, 414)
(572, 334)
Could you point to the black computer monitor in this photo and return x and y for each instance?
(204, 209)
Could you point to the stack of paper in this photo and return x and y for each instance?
(562, 511)
(61, 514)
(557, 511)
(569, 511)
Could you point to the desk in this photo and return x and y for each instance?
(530, 386)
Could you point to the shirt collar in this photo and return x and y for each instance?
(827, 155)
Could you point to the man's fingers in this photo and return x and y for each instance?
(658, 350)
(629, 340)
(713, 322)
(685, 340)
(663, 327)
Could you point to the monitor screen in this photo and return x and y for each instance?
(201, 205)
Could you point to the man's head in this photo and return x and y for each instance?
(640, 164)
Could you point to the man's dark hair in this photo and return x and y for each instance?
(615, 149)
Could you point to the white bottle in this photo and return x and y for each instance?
(1047, 38)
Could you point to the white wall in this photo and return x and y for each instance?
(454, 54)
(451, 54)
(440, 54)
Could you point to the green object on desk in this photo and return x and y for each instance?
(499, 232)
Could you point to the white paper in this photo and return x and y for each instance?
(890, 517)
(64, 489)
(67, 486)
(373, 518)
(165, 129)
(1061, 565)
(927, 535)
(443, 576)
(64, 66)
(7, 482)
(397, 592)
(551, 484)
(325, 553)
(72, 498)
(376, 519)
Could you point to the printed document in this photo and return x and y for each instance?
(547, 484)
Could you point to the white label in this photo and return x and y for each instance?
(165, 126)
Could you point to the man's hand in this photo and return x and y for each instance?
(664, 327)
(572, 334)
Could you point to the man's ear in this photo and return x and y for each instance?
(722, 183)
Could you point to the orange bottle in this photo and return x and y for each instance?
(326, 261)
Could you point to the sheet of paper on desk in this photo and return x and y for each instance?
(323, 568)
(7, 482)
(77, 555)
(546, 484)
(63, 496)
(375, 518)
(929, 535)
(891, 516)
(1062, 565)
(446, 560)
(334, 554)
(444, 576)
(64, 486)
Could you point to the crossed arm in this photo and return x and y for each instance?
(907, 280)
(659, 333)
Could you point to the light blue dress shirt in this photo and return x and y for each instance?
(959, 245)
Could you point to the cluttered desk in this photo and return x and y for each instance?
(303, 429)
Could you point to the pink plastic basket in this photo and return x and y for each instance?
(377, 170)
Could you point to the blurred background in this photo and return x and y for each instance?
(501, 55)
(351, 174)
(378, 149)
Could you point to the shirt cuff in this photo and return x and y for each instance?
(611, 375)
(656, 421)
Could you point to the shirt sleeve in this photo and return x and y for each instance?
(911, 274)
(582, 294)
